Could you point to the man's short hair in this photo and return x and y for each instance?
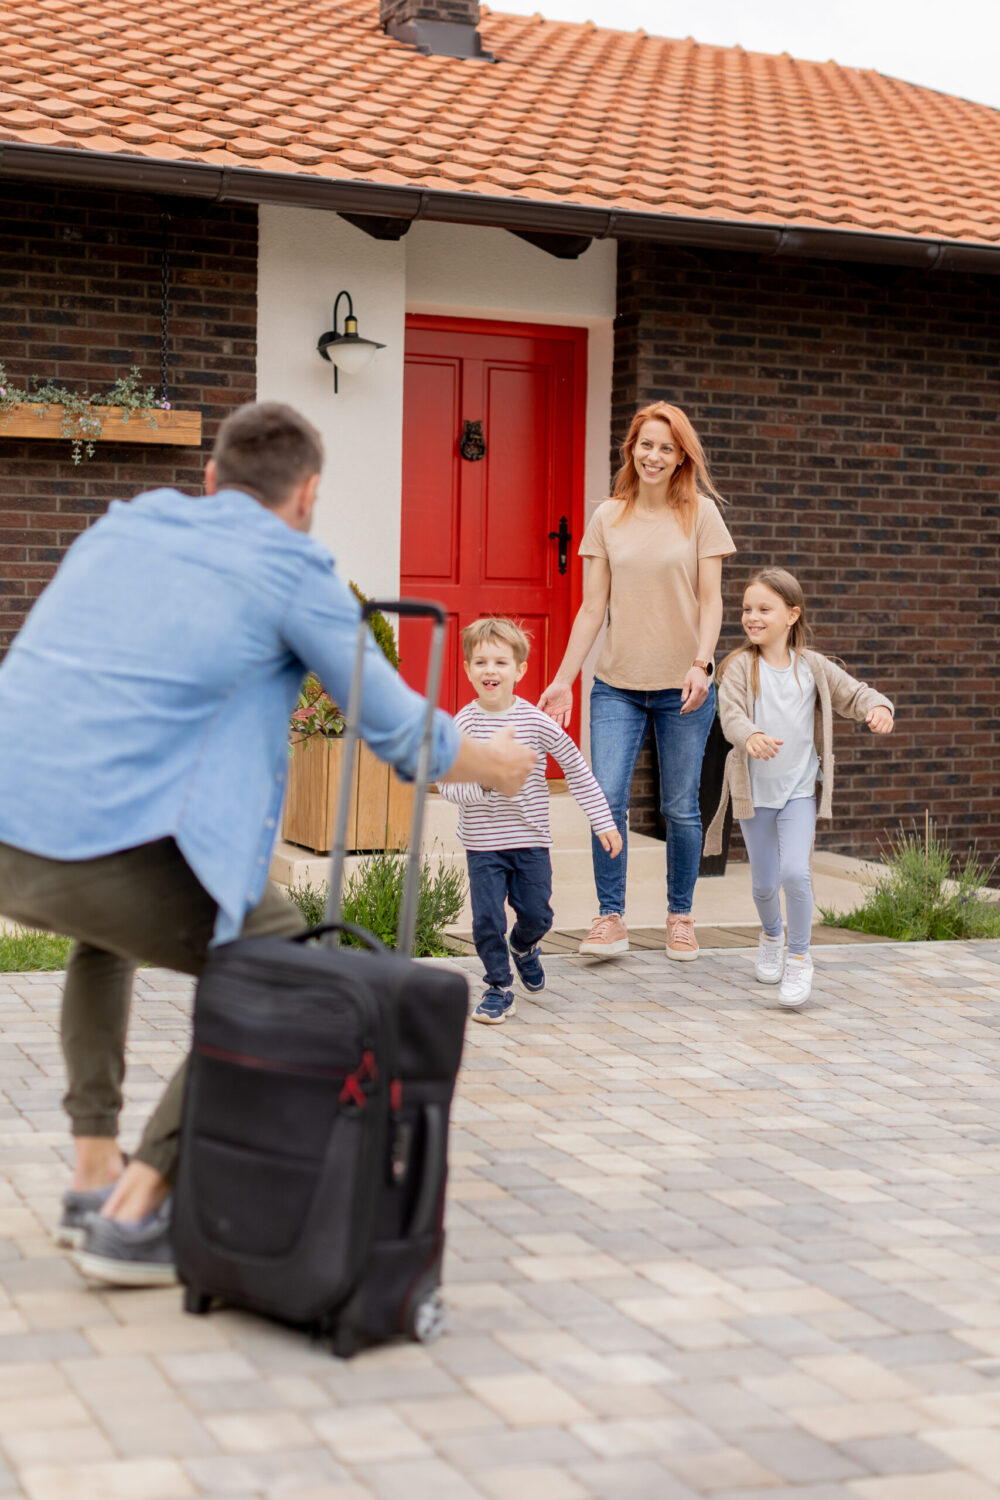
(267, 449)
(496, 628)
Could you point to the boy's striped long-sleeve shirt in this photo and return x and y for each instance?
(489, 820)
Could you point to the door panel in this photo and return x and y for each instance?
(431, 508)
(519, 423)
(475, 533)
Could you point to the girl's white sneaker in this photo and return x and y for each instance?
(797, 981)
(770, 960)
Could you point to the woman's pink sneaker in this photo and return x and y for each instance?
(681, 941)
(608, 936)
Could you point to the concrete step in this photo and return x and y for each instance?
(724, 899)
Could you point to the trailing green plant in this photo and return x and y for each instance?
(23, 950)
(315, 712)
(373, 894)
(81, 422)
(923, 893)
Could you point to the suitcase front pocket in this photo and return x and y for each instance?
(250, 1202)
(286, 1113)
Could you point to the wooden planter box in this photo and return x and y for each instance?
(27, 420)
(381, 805)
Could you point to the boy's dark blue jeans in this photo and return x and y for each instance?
(524, 878)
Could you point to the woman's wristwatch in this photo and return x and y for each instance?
(708, 667)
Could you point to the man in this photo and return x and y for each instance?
(139, 817)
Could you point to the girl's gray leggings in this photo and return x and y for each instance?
(779, 842)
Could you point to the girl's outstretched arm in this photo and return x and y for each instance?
(853, 699)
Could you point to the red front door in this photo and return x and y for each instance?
(476, 530)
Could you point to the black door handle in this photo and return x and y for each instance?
(562, 536)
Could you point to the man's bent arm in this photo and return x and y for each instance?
(321, 628)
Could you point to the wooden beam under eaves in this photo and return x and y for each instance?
(378, 227)
(562, 246)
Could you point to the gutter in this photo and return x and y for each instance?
(119, 170)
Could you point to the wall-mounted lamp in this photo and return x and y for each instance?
(346, 351)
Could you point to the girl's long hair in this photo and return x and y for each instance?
(789, 591)
(686, 482)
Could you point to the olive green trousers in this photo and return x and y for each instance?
(141, 905)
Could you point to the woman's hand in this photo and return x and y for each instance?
(557, 701)
(762, 747)
(611, 842)
(880, 720)
(694, 689)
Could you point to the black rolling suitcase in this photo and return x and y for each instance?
(315, 1132)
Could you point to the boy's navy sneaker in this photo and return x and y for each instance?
(495, 1006)
(530, 974)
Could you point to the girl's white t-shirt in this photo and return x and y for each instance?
(785, 709)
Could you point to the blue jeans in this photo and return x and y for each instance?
(619, 718)
(779, 843)
(524, 878)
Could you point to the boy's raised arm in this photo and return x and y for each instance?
(580, 779)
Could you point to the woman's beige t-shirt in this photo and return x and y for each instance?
(653, 611)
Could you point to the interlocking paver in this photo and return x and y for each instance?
(697, 1247)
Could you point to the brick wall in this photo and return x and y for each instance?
(80, 304)
(851, 417)
(462, 12)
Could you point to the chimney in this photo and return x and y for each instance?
(447, 28)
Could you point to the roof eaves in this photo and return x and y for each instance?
(225, 184)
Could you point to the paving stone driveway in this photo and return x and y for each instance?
(698, 1247)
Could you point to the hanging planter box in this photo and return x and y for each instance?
(28, 420)
(381, 805)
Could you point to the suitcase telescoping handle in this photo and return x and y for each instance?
(405, 609)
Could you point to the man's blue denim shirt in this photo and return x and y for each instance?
(148, 693)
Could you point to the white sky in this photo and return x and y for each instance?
(950, 45)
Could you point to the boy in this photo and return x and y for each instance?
(507, 839)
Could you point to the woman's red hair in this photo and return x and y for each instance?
(686, 483)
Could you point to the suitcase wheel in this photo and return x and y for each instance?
(196, 1302)
(427, 1319)
(344, 1342)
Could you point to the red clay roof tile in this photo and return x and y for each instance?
(568, 113)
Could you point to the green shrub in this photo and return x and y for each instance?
(310, 900)
(373, 895)
(22, 950)
(383, 632)
(920, 895)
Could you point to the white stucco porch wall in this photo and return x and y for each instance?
(306, 257)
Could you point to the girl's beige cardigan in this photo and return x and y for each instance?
(836, 691)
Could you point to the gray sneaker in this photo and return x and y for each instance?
(77, 1206)
(138, 1254)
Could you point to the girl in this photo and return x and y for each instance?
(655, 550)
(776, 705)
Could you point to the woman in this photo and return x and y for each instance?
(655, 550)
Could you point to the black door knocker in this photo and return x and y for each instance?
(562, 536)
(472, 444)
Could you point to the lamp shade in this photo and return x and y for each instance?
(347, 350)
(352, 355)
